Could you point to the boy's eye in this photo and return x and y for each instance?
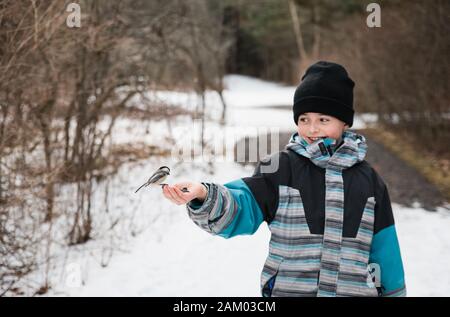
(324, 119)
(302, 119)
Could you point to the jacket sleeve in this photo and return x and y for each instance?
(385, 249)
(235, 208)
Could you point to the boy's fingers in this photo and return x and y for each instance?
(180, 186)
(167, 194)
(163, 187)
(180, 195)
(185, 196)
(175, 196)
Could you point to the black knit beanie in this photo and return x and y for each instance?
(325, 88)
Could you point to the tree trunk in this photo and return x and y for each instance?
(297, 30)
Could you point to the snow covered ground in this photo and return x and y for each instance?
(173, 257)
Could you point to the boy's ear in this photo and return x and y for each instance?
(346, 126)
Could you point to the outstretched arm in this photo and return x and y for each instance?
(235, 208)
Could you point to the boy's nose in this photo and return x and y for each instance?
(313, 128)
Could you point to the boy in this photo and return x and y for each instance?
(329, 213)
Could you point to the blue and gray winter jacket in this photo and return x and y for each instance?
(330, 217)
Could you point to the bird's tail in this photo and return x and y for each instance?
(140, 187)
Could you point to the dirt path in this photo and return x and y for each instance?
(405, 184)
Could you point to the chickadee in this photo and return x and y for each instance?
(158, 177)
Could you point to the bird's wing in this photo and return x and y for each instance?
(156, 177)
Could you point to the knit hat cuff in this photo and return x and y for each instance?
(323, 105)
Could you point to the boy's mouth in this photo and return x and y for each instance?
(314, 139)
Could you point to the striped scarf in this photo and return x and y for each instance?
(351, 151)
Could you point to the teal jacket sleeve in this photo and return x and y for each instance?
(385, 250)
(228, 210)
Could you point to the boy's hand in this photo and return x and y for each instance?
(175, 195)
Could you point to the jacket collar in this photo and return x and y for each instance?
(352, 150)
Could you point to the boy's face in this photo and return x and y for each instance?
(313, 125)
